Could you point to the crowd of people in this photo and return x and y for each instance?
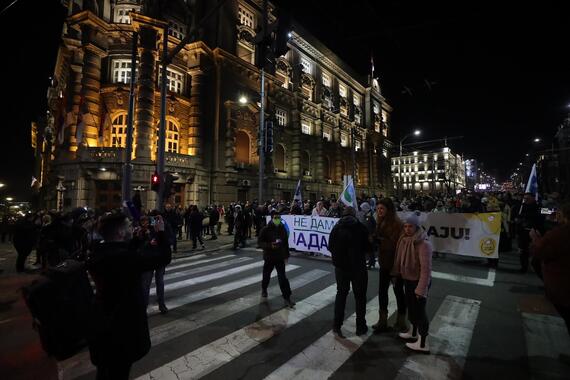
(125, 251)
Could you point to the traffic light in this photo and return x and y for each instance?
(281, 34)
(268, 136)
(155, 182)
(271, 41)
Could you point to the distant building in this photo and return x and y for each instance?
(471, 173)
(428, 172)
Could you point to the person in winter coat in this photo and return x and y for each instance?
(552, 250)
(214, 216)
(119, 334)
(319, 209)
(240, 227)
(26, 234)
(528, 218)
(196, 218)
(366, 217)
(275, 244)
(349, 245)
(388, 230)
(413, 265)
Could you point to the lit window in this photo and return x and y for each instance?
(246, 16)
(343, 140)
(171, 137)
(121, 71)
(342, 90)
(327, 135)
(326, 80)
(306, 65)
(121, 13)
(174, 80)
(376, 109)
(119, 131)
(281, 115)
(306, 127)
(356, 100)
(246, 52)
(358, 145)
(176, 30)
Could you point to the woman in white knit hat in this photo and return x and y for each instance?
(413, 264)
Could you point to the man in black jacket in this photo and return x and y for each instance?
(274, 242)
(214, 216)
(349, 245)
(119, 334)
(529, 218)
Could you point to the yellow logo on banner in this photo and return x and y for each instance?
(488, 246)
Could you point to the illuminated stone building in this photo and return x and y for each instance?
(321, 108)
(428, 172)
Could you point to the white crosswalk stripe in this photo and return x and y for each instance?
(322, 358)
(81, 365)
(190, 272)
(182, 264)
(209, 357)
(450, 337)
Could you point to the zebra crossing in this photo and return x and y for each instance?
(218, 326)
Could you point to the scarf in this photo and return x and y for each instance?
(406, 252)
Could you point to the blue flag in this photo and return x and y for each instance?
(298, 196)
(532, 184)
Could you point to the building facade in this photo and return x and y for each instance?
(432, 171)
(321, 108)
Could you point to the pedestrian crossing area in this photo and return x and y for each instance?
(218, 327)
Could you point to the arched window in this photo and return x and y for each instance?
(119, 131)
(171, 137)
(326, 168)
(242, 147)
(279, 157)
(305, 163)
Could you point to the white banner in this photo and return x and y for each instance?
(308, 233)
(462, 234)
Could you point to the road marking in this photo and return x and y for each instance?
(326, 355)
(489, 281)
(208, 277)
(171, 275)
(182, 300)
(173, 267)
(546, 337)
(209, 357)
(450, 337)
(80, 364)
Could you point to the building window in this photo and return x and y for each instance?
(246, 52)
(343, 140)
(306, 65)
(281, 115)
(326, 167)
(121, 13)
(326, 80)
(327, 135)
(174, 80)
(306, 163)
(356, 100)
(121, 71)
(306, 127)
(342, 90)
(279, 155)
(119, 131)
(246, 16)
(171, 137)
(176, 30)
(357, 145)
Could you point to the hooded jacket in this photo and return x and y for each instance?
(349, 244)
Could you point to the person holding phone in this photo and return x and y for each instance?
(274, 242)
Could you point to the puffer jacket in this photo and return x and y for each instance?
(349, 244)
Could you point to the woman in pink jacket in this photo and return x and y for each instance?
(413, 265)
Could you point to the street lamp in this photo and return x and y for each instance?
(416, 132)
(9, 199)
(2, 185)
(243, 99)
(537, 139)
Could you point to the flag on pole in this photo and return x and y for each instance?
(34, 181)
(532, 184)
(298, 196)
(348, 195)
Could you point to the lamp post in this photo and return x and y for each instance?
(416, 132)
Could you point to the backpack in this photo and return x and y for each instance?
(60, 303)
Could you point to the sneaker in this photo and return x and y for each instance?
(410, 334)
(289, 302)
(338, 332)
(361, 330)
(420, 345)
(264, 294)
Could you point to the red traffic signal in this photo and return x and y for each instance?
(155, 182)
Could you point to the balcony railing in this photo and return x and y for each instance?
(106, 154)
(178, 160)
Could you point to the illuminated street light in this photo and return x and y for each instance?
(417, 132)
(243, 99)
(2, 185)
(537, 139)
(9, 199)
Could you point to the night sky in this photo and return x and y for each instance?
(498, 74)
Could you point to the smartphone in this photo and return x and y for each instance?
(152, 221)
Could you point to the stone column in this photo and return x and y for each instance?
(91, 94)
(295, 146)
(71, 130)
(194, 146)
(144, 119)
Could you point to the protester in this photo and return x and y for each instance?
(366, 217)
(239, 227)
(214, 216)
(387, 233)
(319, 209)
(274, 242)
(413, 265)
(529, 218)
(552, 251)
(25, 237)
(196, 227)
(349, 245)
(119, 334)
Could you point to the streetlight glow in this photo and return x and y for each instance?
(417, 132)
(2, 185)
(243, 99)
(9, 199)
(537, 139)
